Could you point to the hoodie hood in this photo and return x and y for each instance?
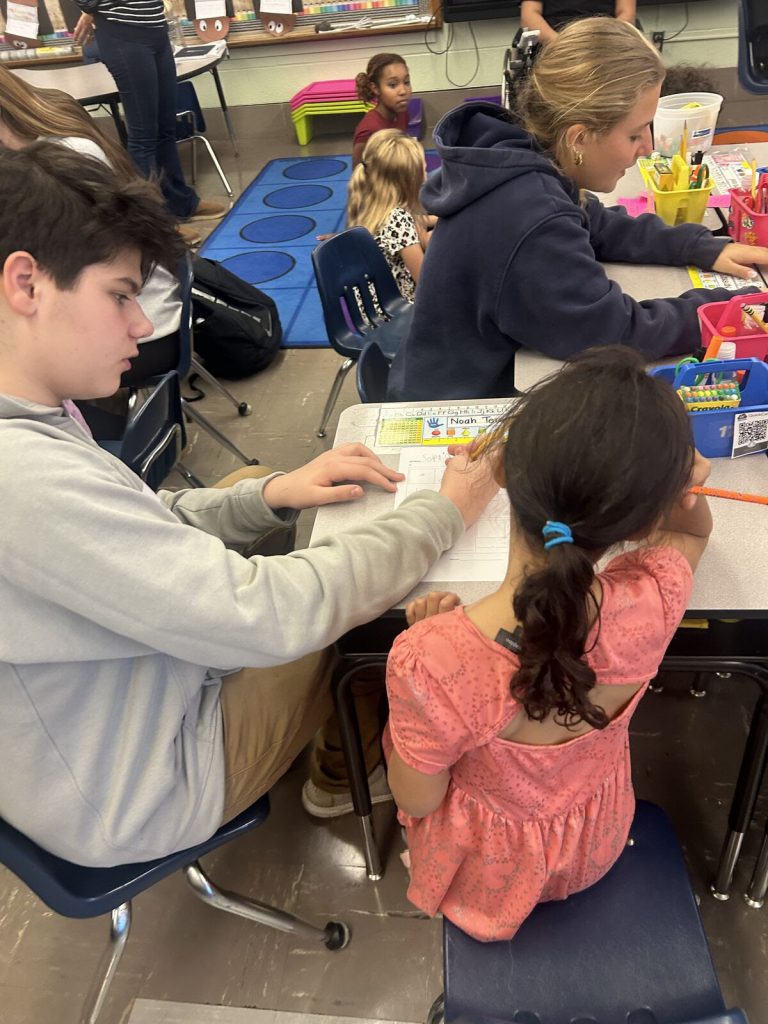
(481, 148)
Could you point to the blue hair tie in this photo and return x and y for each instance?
(558, 532)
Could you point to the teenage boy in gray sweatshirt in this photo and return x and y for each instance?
(129, 726)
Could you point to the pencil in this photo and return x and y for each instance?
(716, 492)
(755, 318)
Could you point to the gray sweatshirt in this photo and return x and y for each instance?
(121, 609)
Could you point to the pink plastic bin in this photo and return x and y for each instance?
(713, 316)
(744, 225)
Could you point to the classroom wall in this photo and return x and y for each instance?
(473, 58)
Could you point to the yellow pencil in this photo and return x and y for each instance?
(755, 318)
(754, 183)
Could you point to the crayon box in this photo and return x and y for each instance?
(713, 429)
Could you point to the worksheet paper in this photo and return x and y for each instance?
(481, 554)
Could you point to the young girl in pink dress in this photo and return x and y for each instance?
(507, 740)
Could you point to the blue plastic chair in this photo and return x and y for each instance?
(629, 950)
(372, 374)
(176, 352)
(74, 891)
(360, 300)
(753, 46)
(190, 127)
(154, 437)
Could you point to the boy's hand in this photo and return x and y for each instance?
(737, 259)
(469, 483)
(325, 480)
(434, 603)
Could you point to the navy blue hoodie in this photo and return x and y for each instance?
(515, 261)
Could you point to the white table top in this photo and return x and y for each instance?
(92, 83)
(732, 576)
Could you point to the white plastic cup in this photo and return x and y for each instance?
(697, 112)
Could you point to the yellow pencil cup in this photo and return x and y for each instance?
(681, 205)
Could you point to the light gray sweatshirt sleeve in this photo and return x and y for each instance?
(120, 576)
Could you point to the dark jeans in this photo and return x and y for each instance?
(141, 63)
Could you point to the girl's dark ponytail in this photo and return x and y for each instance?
(600, 450)
(552, 605)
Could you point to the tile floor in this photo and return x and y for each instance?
(685, 755)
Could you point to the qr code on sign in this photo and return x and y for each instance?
(750, 433)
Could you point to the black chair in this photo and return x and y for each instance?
(75, 891)
(360, 300)
(190, 127)
(753, 46)
(631, 948)
(175, 352)
(154, 437)
(372, 374)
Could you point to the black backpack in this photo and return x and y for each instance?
(237, 329)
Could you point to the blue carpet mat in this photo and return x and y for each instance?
(268, 237)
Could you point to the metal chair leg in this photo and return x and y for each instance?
(349, 731)
(699, 685)
(334, 936)
(243, 408)
(120, 926)
(745, 797)
(215, 160)
(758, 886)
(217, 434)
(195, 481)
(338, 380)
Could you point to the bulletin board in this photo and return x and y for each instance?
(344, 18)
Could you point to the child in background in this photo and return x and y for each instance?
(387, 83)
(507, 740)
(687, 78)
(383, 196)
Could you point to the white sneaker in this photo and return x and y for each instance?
(322, 804)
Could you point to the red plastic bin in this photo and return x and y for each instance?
(751, 343)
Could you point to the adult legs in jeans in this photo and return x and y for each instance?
(145, 74)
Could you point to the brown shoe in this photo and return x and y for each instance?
(190, 235)
(207, 209)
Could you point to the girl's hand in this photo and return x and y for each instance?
(699, 475)
(468, 482)
(324, 480)
(83, 30)
(737, 259)
(434, 603)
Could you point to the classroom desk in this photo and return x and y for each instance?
(92, 83)
(719, 593)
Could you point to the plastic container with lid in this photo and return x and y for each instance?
(696, 112)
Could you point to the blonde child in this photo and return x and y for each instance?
(507, 740)
(387, 83)
(383, 196)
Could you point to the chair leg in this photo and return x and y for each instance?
(744, 798)
(758, 886)
(334, 936)
(224, 441)
(338, 380)
(243, 408)
(195, 481)
(215, 160)
(120, 926)
(699, 685)
(354, 757)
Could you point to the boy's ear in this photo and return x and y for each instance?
(20, 273)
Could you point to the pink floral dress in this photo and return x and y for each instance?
(520, 823)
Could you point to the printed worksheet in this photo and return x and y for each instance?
(711, 279)
(481, 554)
